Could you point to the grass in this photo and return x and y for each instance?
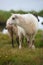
(24, 56)
(39, 39)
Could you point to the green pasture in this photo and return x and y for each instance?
(24, 56)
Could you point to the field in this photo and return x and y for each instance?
(24, 56)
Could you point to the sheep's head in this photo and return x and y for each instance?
(13, 20)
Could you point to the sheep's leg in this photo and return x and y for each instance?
(32, 42)
(12, 37)
(20, 41)
(29, 41)
(17, 40)
(33, 46)
(33, 37)
(12, 41)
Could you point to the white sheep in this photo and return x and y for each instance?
(18, 31)
(28, 22)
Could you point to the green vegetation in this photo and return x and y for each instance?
(4, 15)
(39, 39)
(40, 13)
(24, 56)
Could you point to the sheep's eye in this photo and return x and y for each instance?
(13, 18)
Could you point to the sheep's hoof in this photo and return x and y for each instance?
(20, 47)
(33, 47)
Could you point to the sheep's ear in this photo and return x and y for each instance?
(16, 16)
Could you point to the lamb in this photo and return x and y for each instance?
(18, 31)
(28, 22)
